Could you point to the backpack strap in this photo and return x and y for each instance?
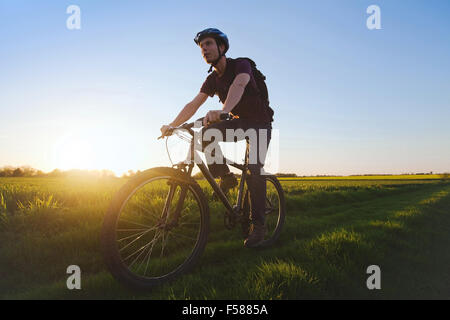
(254, 72)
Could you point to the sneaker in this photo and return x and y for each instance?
(226, 183)
(256, 236)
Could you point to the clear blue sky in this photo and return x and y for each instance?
(347, 100)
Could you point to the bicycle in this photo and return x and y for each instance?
(164, 212)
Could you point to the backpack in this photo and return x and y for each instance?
(261, 85)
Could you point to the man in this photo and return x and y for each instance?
(233, 81)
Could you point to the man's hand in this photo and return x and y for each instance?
(164, 129)
(212, 116)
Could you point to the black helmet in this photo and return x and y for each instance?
(214, 33)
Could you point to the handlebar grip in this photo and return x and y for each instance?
(223, 116)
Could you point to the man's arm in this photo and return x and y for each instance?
(234, 96)
(189, 110)
(236, 91)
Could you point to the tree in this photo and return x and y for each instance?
(7, 171)
(18, 172)
(39, 173)
(55, 173)
(28, 171)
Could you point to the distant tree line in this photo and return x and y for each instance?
(26, 171)
(286, 175)
(130, 173)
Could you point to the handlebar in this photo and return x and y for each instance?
(189, 126)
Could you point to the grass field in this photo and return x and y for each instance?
(334, 230)
(371, 177)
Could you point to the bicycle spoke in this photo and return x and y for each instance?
(149, 253)
(138, 224)
(153, 214)
(148, 260)
(133, 235)
(120, 250)
(139, 233)
(125, 230)
(140, 249)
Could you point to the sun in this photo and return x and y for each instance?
(74, 151)
(94, 147)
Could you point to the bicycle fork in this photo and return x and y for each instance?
(166, 211)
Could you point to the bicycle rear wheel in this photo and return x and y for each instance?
(275, 211)
(143, 243)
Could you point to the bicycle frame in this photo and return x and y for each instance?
(207, 174)
(203, 168)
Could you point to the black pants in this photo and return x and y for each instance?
(258, 146)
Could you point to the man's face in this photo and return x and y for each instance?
(209, 49)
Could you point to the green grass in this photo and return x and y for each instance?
(334, 230)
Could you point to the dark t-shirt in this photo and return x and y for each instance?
(250, 106)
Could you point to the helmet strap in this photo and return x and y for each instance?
(218, 59)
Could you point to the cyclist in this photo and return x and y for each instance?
(233, 81)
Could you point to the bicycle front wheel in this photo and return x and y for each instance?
(156, 228)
